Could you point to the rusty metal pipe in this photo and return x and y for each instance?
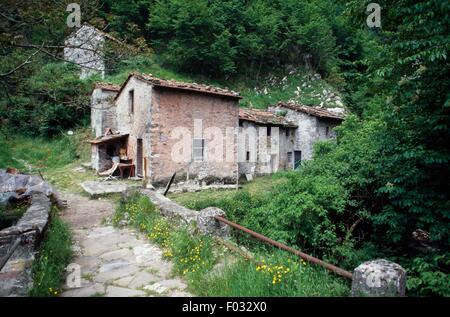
(282, 246)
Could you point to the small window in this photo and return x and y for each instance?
(198, 147)
(131, 101)
(269, 131)
(247, 156)
(241, 124)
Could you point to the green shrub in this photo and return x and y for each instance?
(55, 254)
(426, 275)
(53, 100)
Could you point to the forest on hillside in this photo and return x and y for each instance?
(371, 194)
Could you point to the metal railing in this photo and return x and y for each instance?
(282, 246)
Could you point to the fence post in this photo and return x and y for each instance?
(379, 278)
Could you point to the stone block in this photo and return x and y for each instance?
(379, 278)
(208, 225)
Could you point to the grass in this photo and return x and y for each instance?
(274, 274)
(48, 270)
(198, 259)
(58, 160)
(32, 154)
(260, 186)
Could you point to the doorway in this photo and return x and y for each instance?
(273, 163)
(297, 159)
(139, 158)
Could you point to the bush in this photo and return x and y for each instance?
(51, 100)
(426, 275)
(55, 254)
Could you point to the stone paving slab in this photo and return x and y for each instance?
(117, 262)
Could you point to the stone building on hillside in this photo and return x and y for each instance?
(313, 124)
(167, 126)
(85, 47)
(266, 142)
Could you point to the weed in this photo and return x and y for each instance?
(48, 270)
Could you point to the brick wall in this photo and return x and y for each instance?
(176, 111)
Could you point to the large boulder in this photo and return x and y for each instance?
(379, 278)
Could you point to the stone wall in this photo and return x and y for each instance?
(103, 111)
(310, 130)
(266, 154)
(100, 160)
(15, 276)
(202, 220)
(84, 47)
(138, 123)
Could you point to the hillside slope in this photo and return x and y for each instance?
(288, 84)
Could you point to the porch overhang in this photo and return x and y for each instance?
(108, 138)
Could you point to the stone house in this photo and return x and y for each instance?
(313, 124)
(165, 126)
(265, 141)
(85, 47)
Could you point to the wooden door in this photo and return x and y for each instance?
(139, 158)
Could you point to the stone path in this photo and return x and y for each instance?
(115, 262)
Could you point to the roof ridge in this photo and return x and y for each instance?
(171, 83)
(263, 117)
(317, 111)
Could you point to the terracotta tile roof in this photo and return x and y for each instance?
(263, 117)
(314, 111)
(107, 86)
(158, 82)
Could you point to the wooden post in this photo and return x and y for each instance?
(145, 180)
